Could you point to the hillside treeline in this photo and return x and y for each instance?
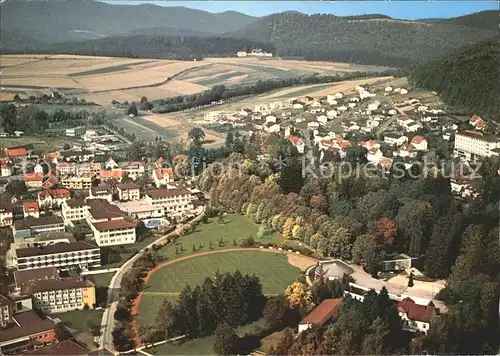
(160, 47)
(468, 78)
(222, 92)
(364, 219)
(383, 42)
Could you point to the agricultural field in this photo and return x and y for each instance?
(103, 79)
(273, 269)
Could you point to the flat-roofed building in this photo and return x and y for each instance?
(62, 255)
(78, 183)
(473, 144)
(141, 209)
(128, 191)
(175, 201)
(32, 226)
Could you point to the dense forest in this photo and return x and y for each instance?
(467, 78)
(161, 47)
(384, 42)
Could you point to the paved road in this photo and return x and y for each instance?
(107, 322)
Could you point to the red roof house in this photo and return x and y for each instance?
(326, 311)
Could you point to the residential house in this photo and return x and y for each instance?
(394, 139)
(342, 109)
(325, 312)
(111, 175)
(407, 150)
(61, 255)
(331, 114)
(102, 191)
(5, 170)
(415, 317)
(175, 201)
(33, 180)
(16, 153)
(30, 209)
(128, 191)
(162, 176)
(272, 128)
(6, 211)
(38, 168)
(374, 155)
(66, 168)
(110, 164)
(74, 209)
(53, 197)
(52, 294)
(133, 169)
(271, 119)
(88, 169)
(6, 311)
(322, 119)
(298, 142)
(28, 332)
(419, 142)
(313, 125)
(477, 122)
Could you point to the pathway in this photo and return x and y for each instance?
(137, 300)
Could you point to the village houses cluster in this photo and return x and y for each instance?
(386, 121)
(65, 193)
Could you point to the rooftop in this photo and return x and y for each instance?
(163, 193)
(136, 206)
(478, 135)
(124, 186)
(29, 324)
(323, 312)
(114, 225)
(101, 189)
(415, 311)
(75, 203)
(57, 248)
(28, 276)
(34, 222)
(33, 177)
(55, 284)
(63, 348)
(5, 301)
(102, 209)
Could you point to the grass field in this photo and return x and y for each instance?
(78, 319)
(274, 271)
(235, 227)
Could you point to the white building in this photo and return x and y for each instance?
(175, 201)
(110, 164)
(472, 144)
(61, 255)
(419, 142)
(76, 131)
(101, 192)
(415, 317)
(66, 168)
(74, 210)
(162, 176)
(128, 191)
(394, 139)
(141, 209)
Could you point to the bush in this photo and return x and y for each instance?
(247, 242)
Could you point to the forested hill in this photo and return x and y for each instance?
(373, 41)
(164, 47)
(467, 78)
(486, 20)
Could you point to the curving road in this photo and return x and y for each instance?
(107, 322)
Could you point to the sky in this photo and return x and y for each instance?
(409, 10)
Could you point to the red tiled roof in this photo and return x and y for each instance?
(32, 177)
(66, 164)
(161, 172)
(16, 152)
(323, 312)
(30, 206)
(115, 173)
(418, 139)
(404, 118)
(59, 193)
(114, 225)
(415, 311)
(475, 117)
(294, 139)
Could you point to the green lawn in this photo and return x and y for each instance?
(273, 269)
(78, 319)
(234, 227)
(127, 251)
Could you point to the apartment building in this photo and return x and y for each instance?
(473, 144)
(128, 191)
(134, 169)
(109, 224)
(102, 191)
(141, 209)
(52, 294)
(52, 197)
(33, 180)
(66, 168)
(61, 255)
(175, 201)
(79, 183)
(74, 209)
(32, 226)
(30, 209)
(88, 169)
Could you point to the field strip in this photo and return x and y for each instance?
(139, 125)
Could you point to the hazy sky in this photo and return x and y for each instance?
(396, 9)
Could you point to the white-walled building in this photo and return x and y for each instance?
(66, 168)
(415, 317)
(419, 142)
(175, 201)
(128, 191)
(472, 144)
(101, 192)
(74, 209)
(395, 139)
(141, 209)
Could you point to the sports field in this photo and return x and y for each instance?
(273, 269)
